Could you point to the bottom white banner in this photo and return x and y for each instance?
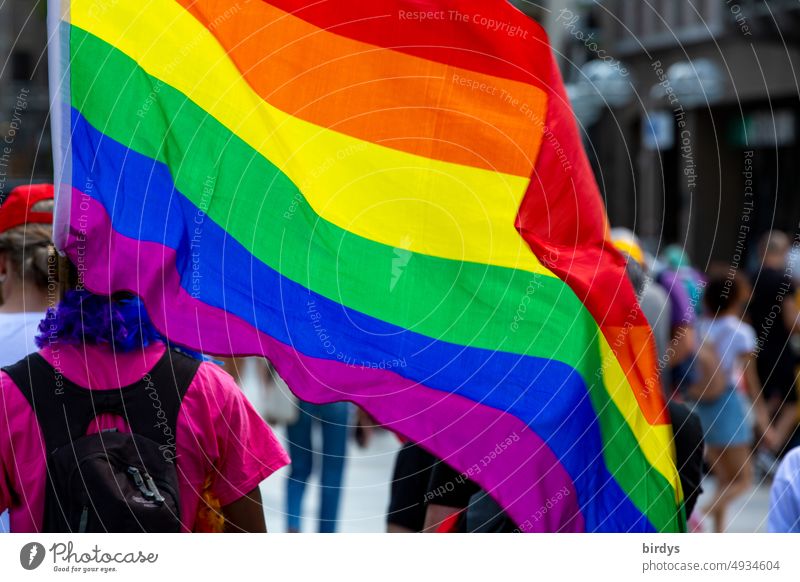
(385, 557)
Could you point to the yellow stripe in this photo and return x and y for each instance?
(393, 197)
(423, 205)
(655, 441)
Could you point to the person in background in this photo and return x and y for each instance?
(675, 259)
(333, 420)
(724, 417)
(775, 317)
(683, 334)
(784, 507)
(26, 257)
(412, 472)
(95, 345)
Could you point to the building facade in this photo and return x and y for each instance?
(704, 152)
(24, 131)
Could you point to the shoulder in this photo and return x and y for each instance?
(746, 333)
(655, 289)
(217, 378)
(789, 469)
(13, 405)
(214, 386)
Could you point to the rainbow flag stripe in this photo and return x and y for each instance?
(390, 201)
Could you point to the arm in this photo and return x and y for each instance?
(6, 448)
(682, 343)
(711, 380)
(365, 428)
(245, 515)
(243, 449)
(436, 515)
(789, 313)
(748, 363)
(449, 492)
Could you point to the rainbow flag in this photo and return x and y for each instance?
(390, 201)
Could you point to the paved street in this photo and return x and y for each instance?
(747, 515)
(366, 494)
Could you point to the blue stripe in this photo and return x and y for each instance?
(140, 196)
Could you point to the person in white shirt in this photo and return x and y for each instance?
(784, 507)
(726, 416)
(27, 259)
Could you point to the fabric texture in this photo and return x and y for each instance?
(358, 207)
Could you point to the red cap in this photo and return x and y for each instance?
(16, 210)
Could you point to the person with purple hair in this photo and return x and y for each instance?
(104, 349)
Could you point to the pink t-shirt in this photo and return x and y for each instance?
(219, 434)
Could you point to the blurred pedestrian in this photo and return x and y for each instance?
(784, 508)
(413, 467)
(333, 421)
(728, 431)
(683, 343)
(27, 256)
(774, 315)
(677, 260)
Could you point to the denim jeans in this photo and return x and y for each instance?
(333, 419)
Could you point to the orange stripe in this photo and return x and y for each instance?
(637, 359)
(376, 94)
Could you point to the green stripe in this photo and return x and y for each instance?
(465, 303)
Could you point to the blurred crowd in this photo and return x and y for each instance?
(728, 347)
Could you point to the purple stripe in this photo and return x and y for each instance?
(495, 449)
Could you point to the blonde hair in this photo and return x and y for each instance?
(30, 248)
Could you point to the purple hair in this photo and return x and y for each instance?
(85, 318)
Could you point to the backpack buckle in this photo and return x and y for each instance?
(139, 482)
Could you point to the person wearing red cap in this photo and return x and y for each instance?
(27, 255)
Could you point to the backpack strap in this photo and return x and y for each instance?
(64, 410)
(44, 389)
(151, 407)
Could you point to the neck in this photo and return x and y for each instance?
(30, 301)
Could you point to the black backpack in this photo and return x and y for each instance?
(109, 481)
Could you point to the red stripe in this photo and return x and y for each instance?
(563, 219)
(489, 36)
(450, 523)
